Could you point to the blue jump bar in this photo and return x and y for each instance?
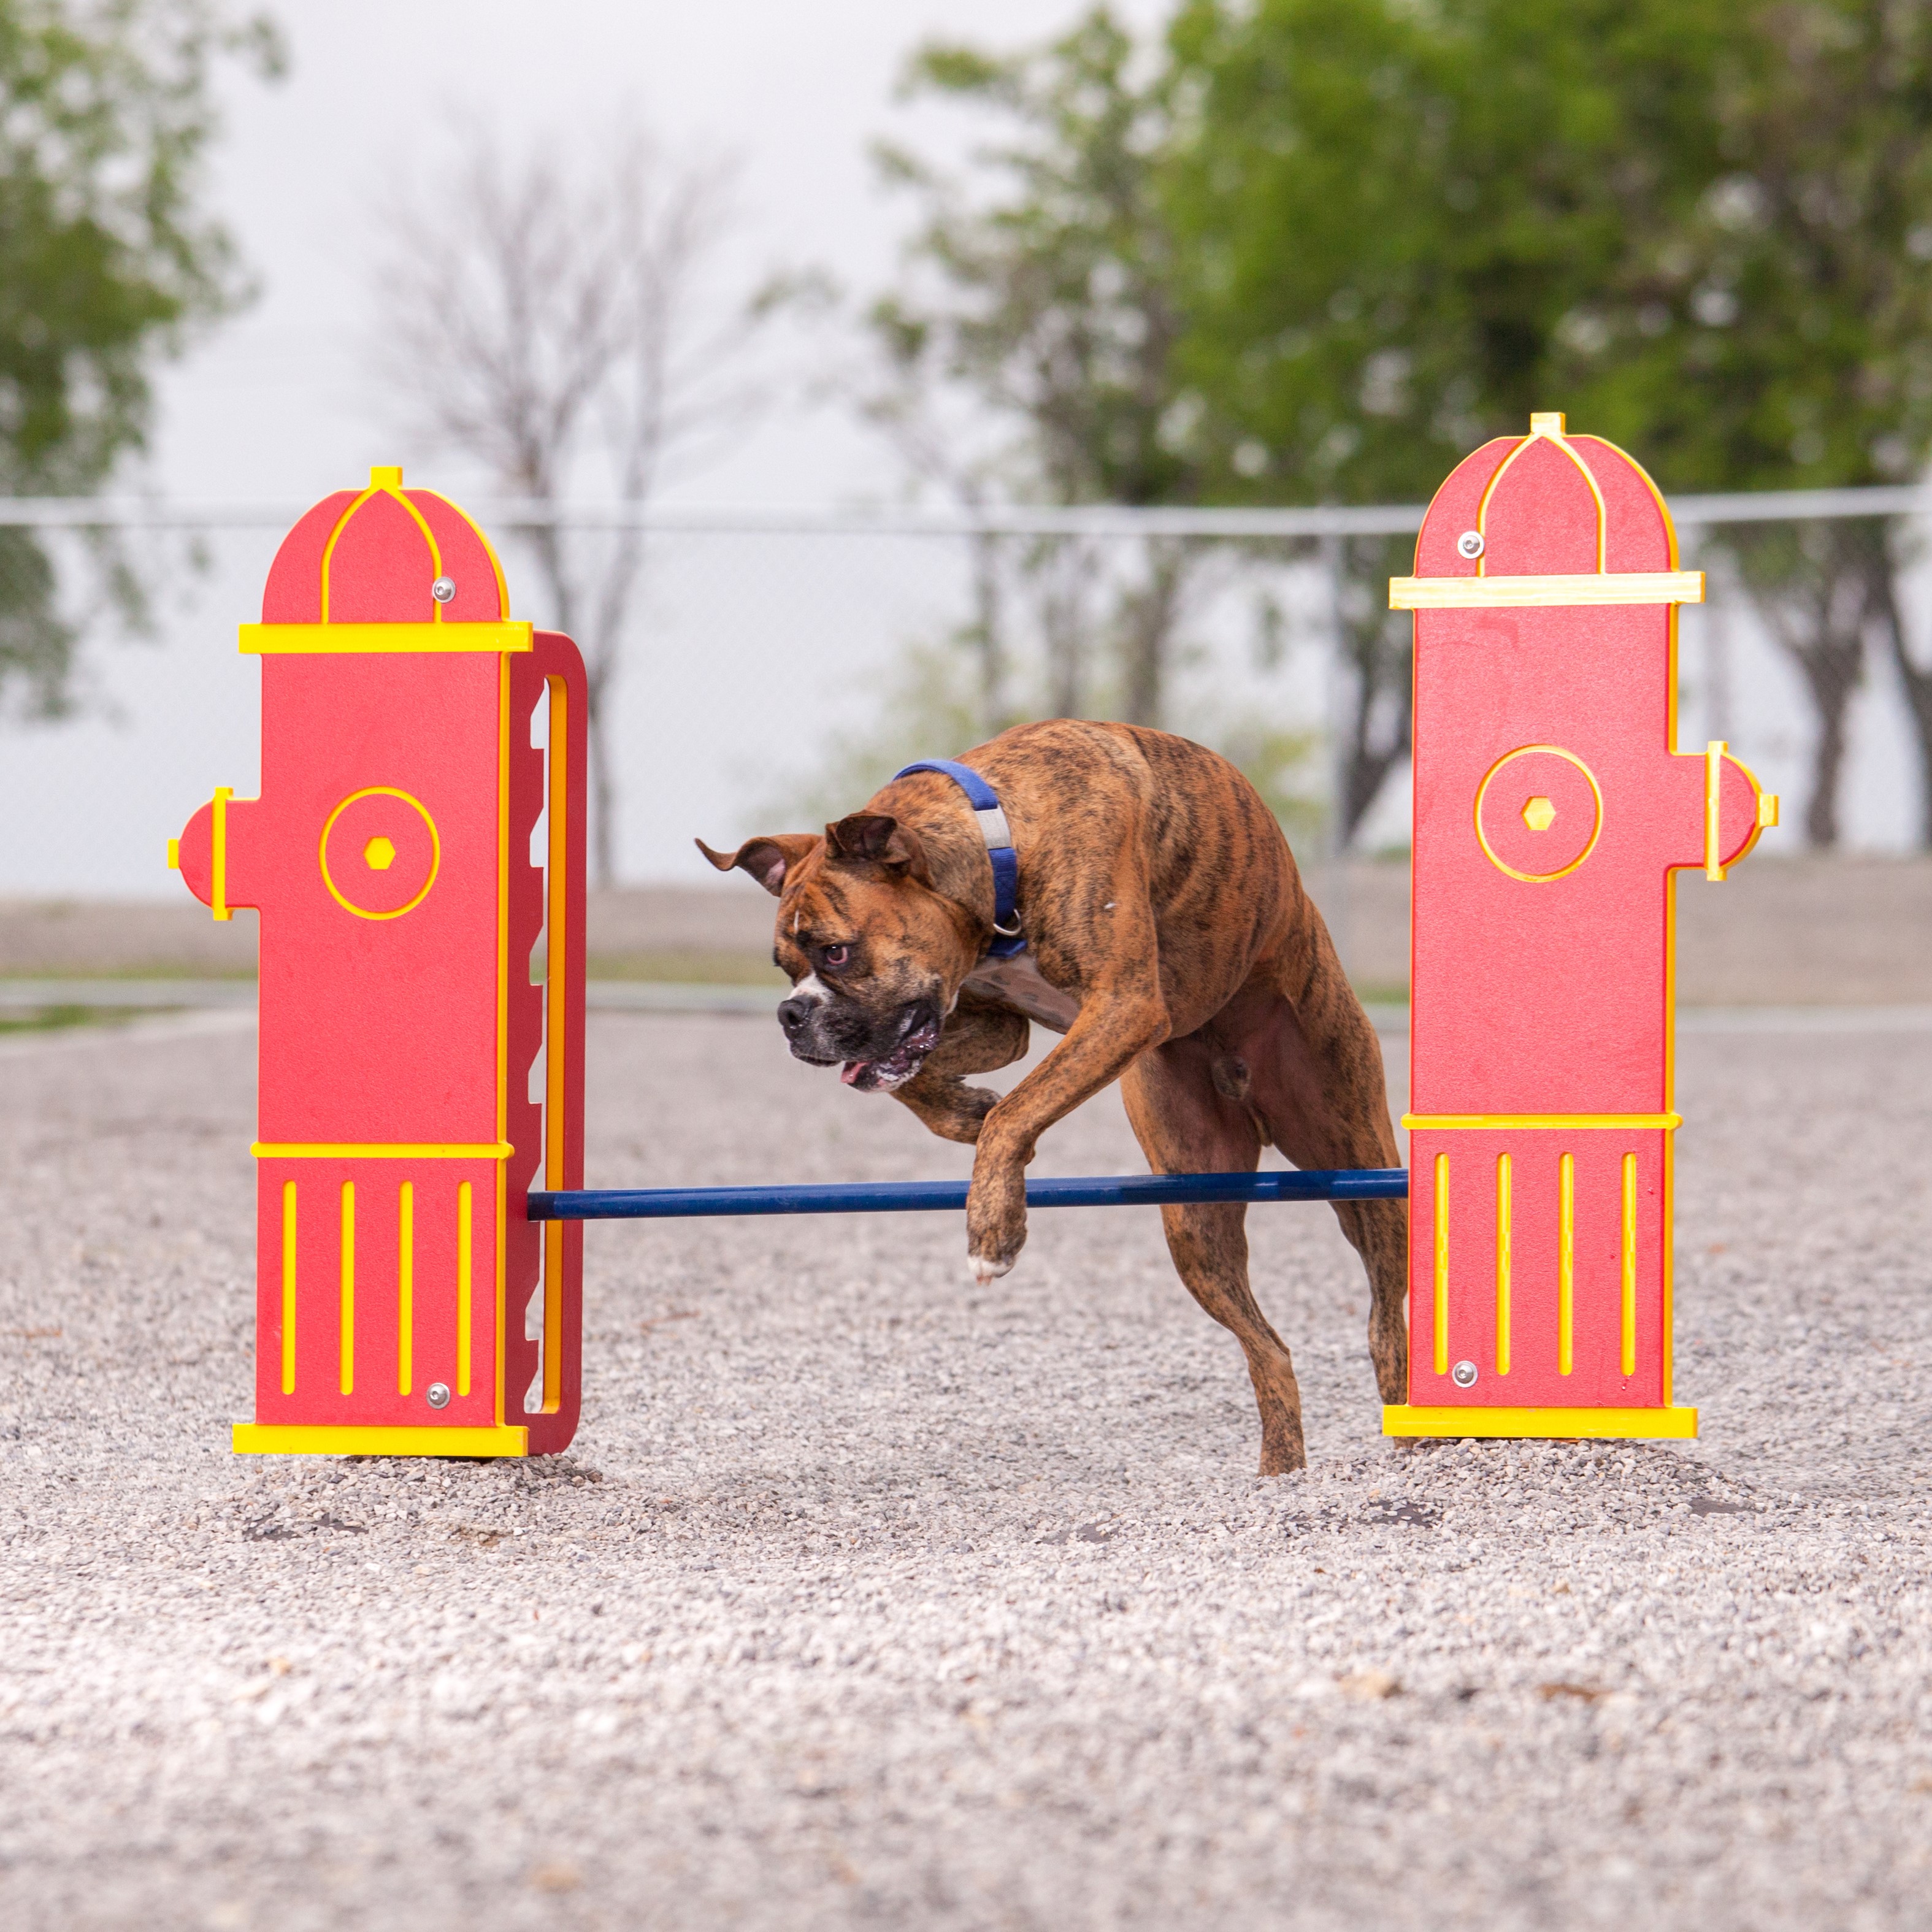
(855, 1197)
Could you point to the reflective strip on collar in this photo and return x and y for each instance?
(993, 827)
(1008, 940)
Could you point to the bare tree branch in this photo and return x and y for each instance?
(554, 319)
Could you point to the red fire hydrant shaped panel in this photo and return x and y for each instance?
(1551, 812)
(406, 1302)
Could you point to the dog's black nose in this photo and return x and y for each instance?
(792, 1014)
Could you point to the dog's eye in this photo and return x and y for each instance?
(837, 955)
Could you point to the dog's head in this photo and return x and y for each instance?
(874, 953)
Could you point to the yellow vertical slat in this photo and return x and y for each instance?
(1566, 1265)
(349, 1288)
(288, 1288)
(1502, 1264)
(1442, 1264)
(464, 1198)
(406, 1283)
(1629, 1265)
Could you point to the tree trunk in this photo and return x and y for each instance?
(37, 644)
(547, 540)
(598, 631)
(1831, 697)
(603, 786)
(1370, 764)
(1915, 680)
(1813, 584)
(1063, 565)
(1149, 617)
(1374, 647)
(985, 636)
(603, 653)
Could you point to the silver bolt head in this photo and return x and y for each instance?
(439, 1394)
(444, 588)
(1463, 1375)
(1469, 544)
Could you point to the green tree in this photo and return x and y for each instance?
(1701, 226)
(1778, 333)
(1028, 353)
(1037, 300)
(106, 260)
(1304, 186)
(1051, 301)
(1385, 215)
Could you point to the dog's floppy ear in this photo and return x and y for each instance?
(878, 839)
(768, 860)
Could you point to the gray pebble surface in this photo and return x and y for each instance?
(867, 1596)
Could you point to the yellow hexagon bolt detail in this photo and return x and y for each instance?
(1539, 815)
(378, 855)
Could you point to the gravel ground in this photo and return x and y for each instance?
(869, 1597)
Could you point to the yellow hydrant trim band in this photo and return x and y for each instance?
(322, 1438)
(1413, 1419)
(381, 1150)
(1608, 587)
(269, 639)
(1492, 1123)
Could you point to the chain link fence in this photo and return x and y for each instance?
(778, 664)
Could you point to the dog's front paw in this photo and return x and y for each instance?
(995, 1223)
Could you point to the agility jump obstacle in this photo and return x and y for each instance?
(855, 1197)
(417, 857)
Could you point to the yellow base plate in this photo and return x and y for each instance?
(272, 1438)
(1403, 1419)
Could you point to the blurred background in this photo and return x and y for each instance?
(854, 382)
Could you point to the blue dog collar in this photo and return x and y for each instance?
(1007, 938)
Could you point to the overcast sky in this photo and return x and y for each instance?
(271, 405)
(754, 651)
(757, 652)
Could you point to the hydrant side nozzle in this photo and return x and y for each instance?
(1735, 815)
(200, 854)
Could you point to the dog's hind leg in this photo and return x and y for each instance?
(979, 1036)
(1188, 1123)
(1313, 1068)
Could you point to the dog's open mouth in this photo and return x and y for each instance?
(896, 1068)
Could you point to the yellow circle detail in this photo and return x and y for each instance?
(1596, 830)
(435, 852)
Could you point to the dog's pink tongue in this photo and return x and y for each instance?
(852, 1069)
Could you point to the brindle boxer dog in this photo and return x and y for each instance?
(1169, 940)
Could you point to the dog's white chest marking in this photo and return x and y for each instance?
(1018, 981)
